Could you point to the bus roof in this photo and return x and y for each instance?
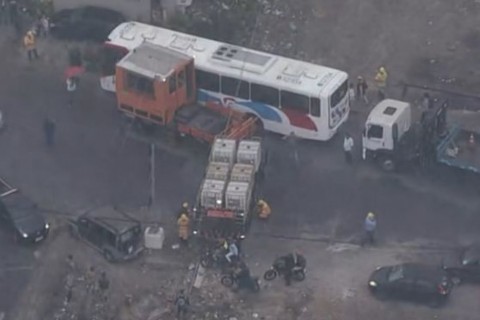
(153, 61)
(234, 61)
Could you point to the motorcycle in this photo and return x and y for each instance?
(230, 280)
(213, 258)
(278, 269)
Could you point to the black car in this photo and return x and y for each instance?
(20, 216)
(411, 281)
(111, 231)
(85, 23)
(464, 264)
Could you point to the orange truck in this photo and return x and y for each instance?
(157, 85)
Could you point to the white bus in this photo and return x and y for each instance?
(287, 95)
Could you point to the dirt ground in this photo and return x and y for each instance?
(435, 43)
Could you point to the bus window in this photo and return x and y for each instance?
(295, 101)
(235, 88)
(264, 94)
(315, 107)
(338, 95)
(139, 84)
(207, 80)
(172, 83)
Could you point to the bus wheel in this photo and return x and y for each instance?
(387, 164)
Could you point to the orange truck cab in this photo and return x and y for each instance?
(157, 84)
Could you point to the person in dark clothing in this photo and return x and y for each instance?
(3, 12)
(182, 303)
(242, 274)
(103, 285)
(292, 262)
(49, 131)
(361, 89)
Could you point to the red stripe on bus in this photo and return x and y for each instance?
(299, 119)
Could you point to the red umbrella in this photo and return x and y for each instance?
(74, 71)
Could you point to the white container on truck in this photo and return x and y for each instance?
(211, 195)
(237, 196)
(242, 172)
(224, 150)
(218, 171)
(250, 152)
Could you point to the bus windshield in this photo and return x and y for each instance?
(338, 95)
(110, 56)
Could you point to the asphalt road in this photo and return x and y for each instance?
(95, 162)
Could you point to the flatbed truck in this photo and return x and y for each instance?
(392, 139)
(227, 197)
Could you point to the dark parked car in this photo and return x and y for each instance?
(20, 216)
(464, 264)
(111, 231)
(85, 23)
(411, 281)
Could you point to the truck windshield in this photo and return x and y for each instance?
(375, 131)
(339, 94)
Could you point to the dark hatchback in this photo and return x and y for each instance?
(85, 23)
(463, 265)
(411, 281)
(20, 216)
(110, 231)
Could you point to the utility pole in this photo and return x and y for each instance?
(151, 198)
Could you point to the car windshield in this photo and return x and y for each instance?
(127, 236)
(396, 273)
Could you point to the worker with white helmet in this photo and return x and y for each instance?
(369, 226)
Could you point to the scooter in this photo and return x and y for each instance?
(213, 258)
(278, 269)
(231, 281)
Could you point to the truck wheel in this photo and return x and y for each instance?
(387, 164)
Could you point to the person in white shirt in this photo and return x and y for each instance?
(347, 148)
(71, 88)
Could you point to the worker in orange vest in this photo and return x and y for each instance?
(264, 210)
(183, 228)
(29, 42)
(381, 81)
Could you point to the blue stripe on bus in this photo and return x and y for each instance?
(262, 110)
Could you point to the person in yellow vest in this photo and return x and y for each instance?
(30, 45)
(264, 210)
(183, 228)
(381, 81)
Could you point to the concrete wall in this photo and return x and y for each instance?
(138, 10)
